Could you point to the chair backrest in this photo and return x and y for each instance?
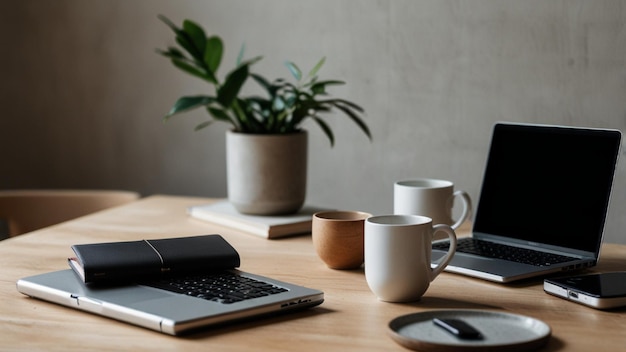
(29, 210)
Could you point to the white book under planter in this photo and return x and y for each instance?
(223, 213)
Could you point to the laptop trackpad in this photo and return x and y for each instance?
(471, 263)
(125, 295)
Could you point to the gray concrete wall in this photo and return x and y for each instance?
(83, 91)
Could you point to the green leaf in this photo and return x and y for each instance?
(188, 103)
(213, 53)
(291, 100)
(320, 87)
(258, 106)
(194, 71)
(356, 119)
(317, 67)
(295, 71)
(344, 102)
(218, 114)
(203, 125)
(326, 129)
(172, 53)
(261, 81)
(182, 38)
(169, 23)
(196, 35)
(184, 41)
(245, 117)
(228, 92)
(278, 104)
(252, 61)
(240, 55)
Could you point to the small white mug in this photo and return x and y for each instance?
(432, 198)
(398, 256)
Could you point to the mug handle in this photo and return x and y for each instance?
(443, 262)
(467, 208)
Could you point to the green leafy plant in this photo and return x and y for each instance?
(284, 108)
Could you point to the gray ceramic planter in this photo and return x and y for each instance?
(266, 173)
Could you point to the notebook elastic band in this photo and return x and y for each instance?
(157, 252)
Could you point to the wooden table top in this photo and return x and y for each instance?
(351, 318)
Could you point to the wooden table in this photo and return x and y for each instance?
(351, 318)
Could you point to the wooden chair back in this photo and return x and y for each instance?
(29, 210)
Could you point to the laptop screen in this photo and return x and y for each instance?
(548, 184)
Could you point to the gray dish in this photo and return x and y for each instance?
(499, 330)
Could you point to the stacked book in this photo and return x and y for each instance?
(224, 213)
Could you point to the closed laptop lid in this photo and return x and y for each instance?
(548, 186)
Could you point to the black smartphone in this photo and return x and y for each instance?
(601, 291)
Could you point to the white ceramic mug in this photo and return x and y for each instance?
(398, 255)
(432, 198)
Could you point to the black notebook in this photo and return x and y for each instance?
(124, 261)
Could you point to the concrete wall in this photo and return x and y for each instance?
(83, 91)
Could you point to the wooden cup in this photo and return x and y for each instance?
(338, 238)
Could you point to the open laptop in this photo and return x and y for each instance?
(166, 306)
(543, 202)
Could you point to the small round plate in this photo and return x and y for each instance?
(499, 330)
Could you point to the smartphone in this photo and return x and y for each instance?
(601, 291)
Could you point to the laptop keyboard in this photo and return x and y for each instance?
(224, 287)
(502, 251)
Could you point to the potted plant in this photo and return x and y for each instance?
(266, 147)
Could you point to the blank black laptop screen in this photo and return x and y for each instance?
(547, 184)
